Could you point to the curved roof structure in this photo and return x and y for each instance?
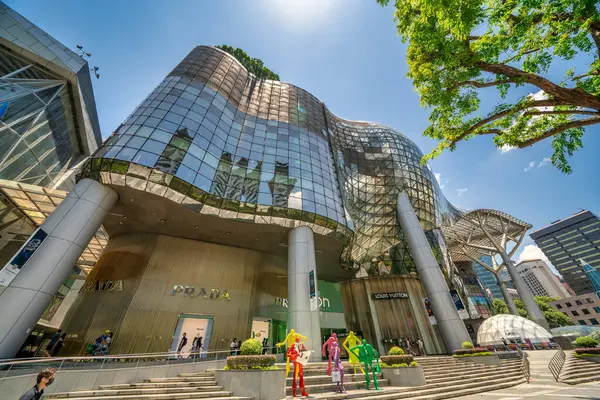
(577, 331)
(478, 233)
(510, 327)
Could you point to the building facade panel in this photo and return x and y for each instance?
(540, 279)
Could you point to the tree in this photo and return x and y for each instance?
(554, 317)
(458, 49)
(253, 65)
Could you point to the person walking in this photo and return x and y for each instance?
(44, 379)
(182, 344)
(59, 344)
(233, 346)
(421, 347)
(51, 343)
(504, 343)
(265, 344)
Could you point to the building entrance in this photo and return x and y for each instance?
(193, 325)
(261, 331)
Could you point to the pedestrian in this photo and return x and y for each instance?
(265, 343)
(52, 342)
(504, 343)
(238, 347)
(102, 343)
(44, 379)
(182, 344)
(233, 346)
(421, 347)
(59, 344)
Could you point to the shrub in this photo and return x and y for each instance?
(587, 352)
(251, 362)
(395, 360)
(251, 347)
(476, 351)
(396, 351)
(586, 341)
(467, 345)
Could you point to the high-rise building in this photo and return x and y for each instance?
(566, 241)
(540, 279)
(593, 275)
(582, 310)
(488, 279)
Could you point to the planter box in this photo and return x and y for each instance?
(595, 359)
(489, 360)
(405, 376)
(263, 385)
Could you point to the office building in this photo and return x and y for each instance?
(582, 310)
(488, 279)
(568, 240)
(593, 275)
(540, 279)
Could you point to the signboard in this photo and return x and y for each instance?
(102, 286)
(16, 264)
(460, 306)
(205, 293)
(389, 296)
(432, 319)
(314, 303)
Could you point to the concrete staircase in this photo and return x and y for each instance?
(578, 370)
(446, 377)
(185, 386)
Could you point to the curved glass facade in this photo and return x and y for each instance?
(220, 141)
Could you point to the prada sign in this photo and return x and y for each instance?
(102, 286)
(192, 291)
(389, 296)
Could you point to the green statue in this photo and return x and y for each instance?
(367, 354)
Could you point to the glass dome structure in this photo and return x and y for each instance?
(510, 327)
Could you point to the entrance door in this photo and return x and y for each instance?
(192, 325)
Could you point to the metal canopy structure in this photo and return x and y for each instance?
(37, 203)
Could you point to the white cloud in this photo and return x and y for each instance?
(459, 192)
(438, 178)
(545, 161)
(532, 252)
(505, 148)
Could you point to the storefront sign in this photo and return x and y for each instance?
(460, 306)
(16, 264)
(190, 291)
(102, 286)
(389, 296)
(323, 303)
(314, 305)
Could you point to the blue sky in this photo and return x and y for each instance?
(347, 53)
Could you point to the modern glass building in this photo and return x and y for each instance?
(566, 241)
(237, 205)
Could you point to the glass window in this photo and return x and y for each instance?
(581, 322)
(161, 136)
(575, 313)
(154, 147)
(186, 174)
(593, 321)
(145, 158)
(585, 311)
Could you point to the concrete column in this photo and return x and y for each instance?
(535, 314)
(510, 303)
(301, 260)
(70, 228)
(452, 328)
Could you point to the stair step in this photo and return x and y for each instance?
(182, 379)
(169, 396)
(196, 374)
(331, 387)
(484, 377)
(136, 391)
(158, 384)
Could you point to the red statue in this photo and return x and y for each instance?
(329, 346)
(293, 354)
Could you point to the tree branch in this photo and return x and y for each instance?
(519, 55)
(557, 112)
(559, 129)
(484, 84)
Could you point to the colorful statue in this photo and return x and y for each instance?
(338, 366)
(329, 345)
(289, 341)
(292, 354)
(367, 354)
(352, 341)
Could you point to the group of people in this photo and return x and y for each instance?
(407, 346)
(103, 343)
(55, 344)
(234, 346)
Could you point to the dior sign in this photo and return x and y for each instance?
(190, 291)
(281, 302)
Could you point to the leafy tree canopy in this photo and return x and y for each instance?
(253, 65)
(554, 317)
(458, 49)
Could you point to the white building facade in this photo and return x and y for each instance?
(541, 280)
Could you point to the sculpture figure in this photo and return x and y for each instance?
(338, 366)
(329, 345)
(352, 341)
(367, 354)
(289, 341)
(292, 354)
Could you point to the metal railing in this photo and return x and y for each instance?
(556, 363)
(28, 366)
(524, 364)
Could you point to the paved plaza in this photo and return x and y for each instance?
(539, 391)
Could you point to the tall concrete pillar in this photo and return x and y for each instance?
(70, 228)
(510, 303)
(535, 314)
(301, 261)
(452, 328)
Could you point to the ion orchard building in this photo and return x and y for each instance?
(238, 206)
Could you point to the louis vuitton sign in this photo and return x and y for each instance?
(193, 292)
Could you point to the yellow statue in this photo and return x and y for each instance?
(289, 340)
(351, 341)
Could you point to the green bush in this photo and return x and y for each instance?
(251, 362)
(467, 345)
(396, 351)
(414, 364)
(481, 353)
(251, 347)
(395, 360)
(586, 341)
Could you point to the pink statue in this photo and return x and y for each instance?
(338, 367)
(329, 346)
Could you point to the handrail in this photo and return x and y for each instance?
(34, 360)
(556, 363)
(524, 364)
